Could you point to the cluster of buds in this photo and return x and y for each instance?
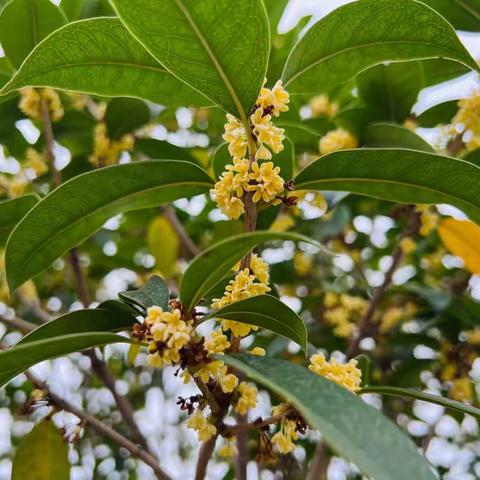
(256, 175)
(342, 312)
(467, 121)
(106, 151)
(33, 100)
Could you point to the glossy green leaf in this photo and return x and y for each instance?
(404, 176)
(125, 115)
(12, 211)
(154, 292)
(439, 114)
(362, 34)
(82, 321)
(218, 48)
(425, 397)
(473, 157)
(389, 135)
(42, 455)
(221, 158)
(355, 430)
(79, 207)
(6, 72)
(159, 149)
(213, 264)
(462, 14)
(24, 23)
(15, 360)
(100, 57)
(72, 8)
(267, 312)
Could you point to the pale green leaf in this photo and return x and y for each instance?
(79, 207)
(42, 455)
(404, 176)
(267, 312)
(219, 48)
(362, 34)
(164, 244)
(213, 264)
(353, 429)
(100, 57)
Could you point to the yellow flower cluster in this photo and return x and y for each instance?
(395, 315)
(285, 438)
(408, 245)
(217, 343)
(202, 426)
(229, 449)
(36, 161)
(170, 334)
(31, 100)
(336, 140)
(343, 312)
(245, 176)
(302, 263)
(321, 106)
(462, 390)
(247, 398)
(346, 375)
(468, 116)
(428, 219)
(244, 285)
(105, 150)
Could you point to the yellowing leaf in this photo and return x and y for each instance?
(164, 244)
(462, 238)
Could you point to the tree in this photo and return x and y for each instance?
(178, 138)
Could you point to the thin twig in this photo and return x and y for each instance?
(206, 452)
(239, 427)
(191, 249)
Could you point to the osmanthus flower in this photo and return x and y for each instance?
(429, 219)
(265, 182)
(31, 100)
(217, 343)
(321, 106)
(247, 398)
(468, 118)
(236, 137)
(169, 335)
(204, 428)
(266, 133)
(337, 140)
(107, 151)
(276, 100)
(36, 161)
(462, 390)
(229, 448)
(346, 375)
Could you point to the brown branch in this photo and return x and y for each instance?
(190, 247)
(319, 464)
(206, 452)
(18, 324)
(50, 143)
(239, 427)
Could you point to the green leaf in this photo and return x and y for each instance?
(157, 149)
(125, 115)
(355, 430)
(82, 321)
(404, 176)
(42, 455)
(12, 211)
(362, 34)
(425, 397)
(17, 359)
(100, 57)
(217, 48)
(439, 114)
(221, 158)
(473, 157)
(80, 206)
(267, 312)
(24, 23)
(154, 292)
(389, 135)
(462, 14)
(213, 264)
(72, 8)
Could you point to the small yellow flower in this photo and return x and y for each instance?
(257, 351)
(322, 107)
(337, 140)
(462, 390)
(31, 103)
(218, 343)
(284, 439)
(247, 399)
(330, 300)
(229, 449)
(276, 99)
(429, 219)
(213, 369)
(17, 187)
(346, 375)
(36, 161)
(239, 329)
(468, 116)
(303, 263)
(107, 151)
(236, 136)
(283, 223)
(202, 426)
(268, 183)
(408, 245)
(228, 383)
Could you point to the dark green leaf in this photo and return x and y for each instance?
(462, 14)
(157, 149)
(15, 360)
(355, 430)
(221, 158)
(425, 397)
(267, 312)
(404, 176)
(79, 207)
(213, 264)
(72, 8)
(100, 57)
(219, 49)
(362, 34)
(439, 114)
(473, 157)
(24, 23)
(82, 321)
(154, 292)
(389, 135)
(42, 455)
(12, 211)
(125, 115)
